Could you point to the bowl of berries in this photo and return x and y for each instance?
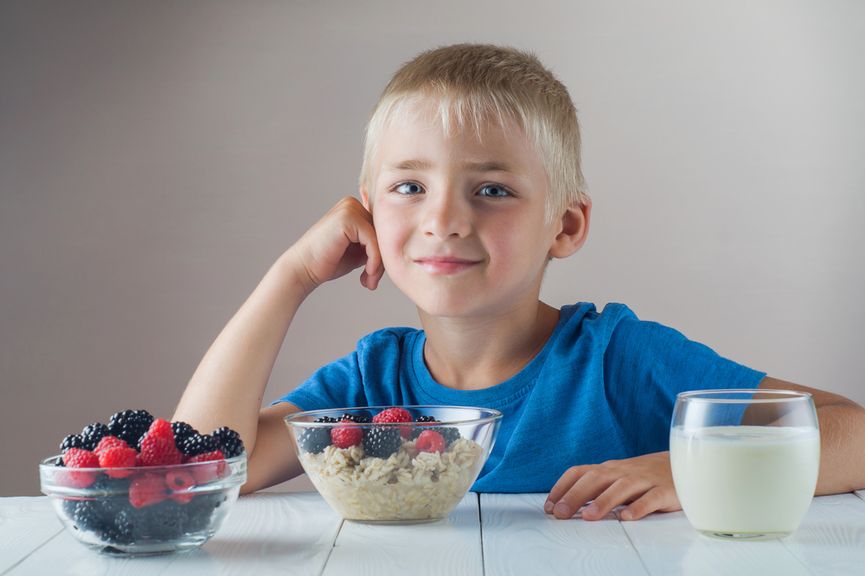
(142, 485)
(394, 464)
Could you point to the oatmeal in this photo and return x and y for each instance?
(410, 484)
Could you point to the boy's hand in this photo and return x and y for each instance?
(341, 241)
(644, 482)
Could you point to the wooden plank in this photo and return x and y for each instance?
(518, 538)
(264, 533)
(450, 546)
(831, 539)
(25, 524)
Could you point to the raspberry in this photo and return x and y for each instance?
(147, 489)
(157, 445)
(79, 458)
(395, 415)
(208, 472)
(449, 433)
(346, 435)
(208, 457)
(118, 457)
(109, 442)
(392, 415)
(178, 482)
(430, 441)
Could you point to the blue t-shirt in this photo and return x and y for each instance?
(603, 387)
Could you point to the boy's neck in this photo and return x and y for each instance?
(466, 354)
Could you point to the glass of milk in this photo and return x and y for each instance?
(745, 462)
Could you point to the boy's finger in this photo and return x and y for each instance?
(363, 233)
(652, 501)
(621, 491)
(374, 269)
(562, 485)
(589, 486)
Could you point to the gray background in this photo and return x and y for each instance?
(156, 158)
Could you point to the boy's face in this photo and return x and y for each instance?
(460, 220)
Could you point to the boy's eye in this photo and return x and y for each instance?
(408, 188)
(494, 191)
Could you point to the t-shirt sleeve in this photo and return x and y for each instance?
(335, 385)
(647, 364)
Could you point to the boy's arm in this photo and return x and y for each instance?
(228, 386)
(842, 438)
(645, 482)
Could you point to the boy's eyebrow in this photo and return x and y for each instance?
(487, 166)
(483, 166)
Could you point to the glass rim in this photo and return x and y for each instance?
(713, 396)
(292, 419)
(48, 464)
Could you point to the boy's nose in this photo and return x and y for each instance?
(447, 216)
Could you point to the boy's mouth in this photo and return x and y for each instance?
(444, 265)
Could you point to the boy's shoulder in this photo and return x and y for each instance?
(575, 320)
(394, 337)
(587, 312)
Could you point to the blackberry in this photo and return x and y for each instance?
(198, 444)
(85, 514)
(71, 441)
(381, 442)
(362, 417)
(162, 521)
(200, 510)
(122, 530)
(105, 486)
(69, 506)
(182, 432)
(130, 425)
(92, 434)
(449, 434)
(314, 440)
(229, 442)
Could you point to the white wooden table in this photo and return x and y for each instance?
(297, 533)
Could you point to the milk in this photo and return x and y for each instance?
(745, 480)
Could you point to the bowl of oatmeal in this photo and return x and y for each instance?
(393, 463)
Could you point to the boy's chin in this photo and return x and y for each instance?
(444, 307)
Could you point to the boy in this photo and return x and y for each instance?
(471, 183)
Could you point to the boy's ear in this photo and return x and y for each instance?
(364, 197)
(574, 230)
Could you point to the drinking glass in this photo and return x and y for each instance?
(745, 462)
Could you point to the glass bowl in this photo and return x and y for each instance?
(397, 471)
(146, 509)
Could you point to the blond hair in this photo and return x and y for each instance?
(479, 83)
